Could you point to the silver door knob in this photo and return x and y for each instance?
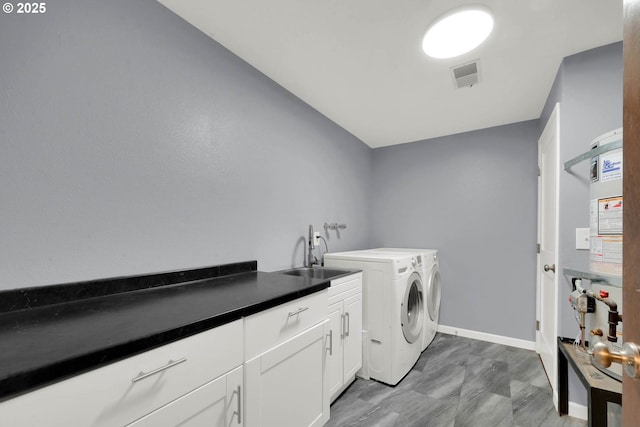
(551, 267)
(629, 357)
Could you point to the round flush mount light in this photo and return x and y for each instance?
(458, 32)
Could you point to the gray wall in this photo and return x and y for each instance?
(589, 88)
(472, 196)
(132, 143)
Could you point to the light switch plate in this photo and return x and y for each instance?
(582, 238)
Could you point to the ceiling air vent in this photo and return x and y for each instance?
(466, 74)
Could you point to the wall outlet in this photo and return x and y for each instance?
(582, 238)
(316, 238)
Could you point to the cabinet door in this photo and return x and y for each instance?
(353, 335)
(334, 343)
(285, 386)
(215, 404)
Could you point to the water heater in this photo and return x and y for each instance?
(605, 258)
(606, 207)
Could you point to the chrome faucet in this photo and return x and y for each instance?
(311, 259)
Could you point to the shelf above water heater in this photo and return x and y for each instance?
(593, 277)
(592, 153)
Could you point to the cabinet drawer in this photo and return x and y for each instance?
(215, 404)
(342, 284)
(269, 328)
(122, 392)
(345, 287)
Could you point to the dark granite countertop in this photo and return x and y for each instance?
(48, 343)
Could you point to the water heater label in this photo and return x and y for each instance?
(606, 251)
(610, 216)
(611, 166)
(606, 236)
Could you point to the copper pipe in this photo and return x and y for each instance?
(582, 327)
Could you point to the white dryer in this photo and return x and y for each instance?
(428, 260)
(393, 311)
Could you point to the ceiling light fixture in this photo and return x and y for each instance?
(458, 32)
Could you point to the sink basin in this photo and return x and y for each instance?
(315, 273)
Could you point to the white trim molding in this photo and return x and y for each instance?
(578, 411)
(483, 336)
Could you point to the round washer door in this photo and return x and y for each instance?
(412, 309)
(433, 294)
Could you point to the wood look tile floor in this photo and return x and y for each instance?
(457, 382)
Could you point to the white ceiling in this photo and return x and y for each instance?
(360, 63)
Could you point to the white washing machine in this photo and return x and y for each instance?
(393, 311)
(428, 260)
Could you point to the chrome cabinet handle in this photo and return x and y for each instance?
(343, 326)
(298, 311)
(346, 315)
(142, 375)
(239, 411)
(330, 335)
(548, 267)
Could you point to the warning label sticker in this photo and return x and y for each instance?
(610, 216)
(606, 254)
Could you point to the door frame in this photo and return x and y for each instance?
(631, 193)
(553, 124)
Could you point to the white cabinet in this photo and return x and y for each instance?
(125, 391)
(215, 404)
(345, 333)
(264, 370)
(285, 384)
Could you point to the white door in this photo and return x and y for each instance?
(547, 278)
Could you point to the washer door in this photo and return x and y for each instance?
(412, 309)
(433, 294)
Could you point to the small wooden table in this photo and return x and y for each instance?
(601, 389)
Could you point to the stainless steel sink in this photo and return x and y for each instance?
(316, 273)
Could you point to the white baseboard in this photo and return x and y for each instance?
(575, 409)
(578, 411)
(498, 339)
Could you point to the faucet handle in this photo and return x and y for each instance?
(334, 226)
